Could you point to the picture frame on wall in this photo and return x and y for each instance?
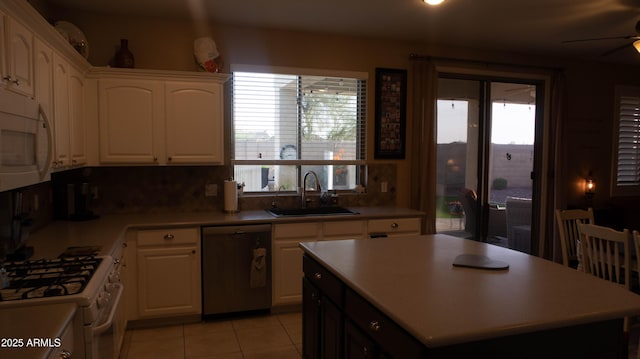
(390, 113)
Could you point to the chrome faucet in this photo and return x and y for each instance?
(304, 200)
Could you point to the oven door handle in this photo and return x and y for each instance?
(107, 324)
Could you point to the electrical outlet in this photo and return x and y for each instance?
(211, 190)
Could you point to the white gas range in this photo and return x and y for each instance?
(92, 283)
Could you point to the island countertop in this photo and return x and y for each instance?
(413, 281)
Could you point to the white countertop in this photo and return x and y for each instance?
(54, 238)
(33, 322)
(413, 281)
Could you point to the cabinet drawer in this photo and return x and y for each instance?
(387, 334)
(168, 236)
(297, 230)
(394, 225)
(328, 283)
(345, 229)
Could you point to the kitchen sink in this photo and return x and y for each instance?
(319, 211)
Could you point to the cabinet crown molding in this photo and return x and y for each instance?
(24, 13)
(101, 72)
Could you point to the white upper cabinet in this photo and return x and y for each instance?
(77, 145)
(17, 53)
(129, 113)
(194, 122)
(68, 120)
(160, 117)
(61, 112)
(43, 61)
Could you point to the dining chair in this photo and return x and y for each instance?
(606, 255)
(636, 245)
(567, 227)
(635, 262)
(606, 252)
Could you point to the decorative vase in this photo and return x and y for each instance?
(124, 57)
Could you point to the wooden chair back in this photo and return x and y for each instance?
(568, 229)
(606, 253)
(636, 246)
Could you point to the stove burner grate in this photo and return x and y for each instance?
(48, 277)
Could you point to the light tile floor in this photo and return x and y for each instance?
(277, 336)
(264, 337)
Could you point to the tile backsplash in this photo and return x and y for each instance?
(153, 189)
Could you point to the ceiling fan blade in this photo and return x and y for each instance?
(615, 49)
(603, 38)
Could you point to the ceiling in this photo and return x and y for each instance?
(514, 26)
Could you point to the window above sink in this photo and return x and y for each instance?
(287, 122)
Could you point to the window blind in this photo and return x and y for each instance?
(628, 152)
(298, 119)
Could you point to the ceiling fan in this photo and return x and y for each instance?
(635, 37)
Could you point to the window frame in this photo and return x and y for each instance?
(632, 189)
(360, 164)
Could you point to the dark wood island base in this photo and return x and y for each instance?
(338, 322)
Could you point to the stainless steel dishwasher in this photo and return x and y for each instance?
(236, 269)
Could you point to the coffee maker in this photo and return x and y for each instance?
(14, 227)
(73, 202)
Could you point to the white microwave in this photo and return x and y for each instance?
(25, 142)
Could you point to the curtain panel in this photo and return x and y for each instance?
(423, 166)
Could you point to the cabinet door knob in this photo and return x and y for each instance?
(168, 236)
(317, 276)
(169, 158)
(374, 325)
(394, 225)
(65, 354)
(10, 79)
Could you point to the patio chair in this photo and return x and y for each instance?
(469, 201)
(518, 214)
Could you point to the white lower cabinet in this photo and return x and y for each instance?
(287, 255)
(287, 260)
(168, 272)
(394, 227)
(68, 344)
(333, 230)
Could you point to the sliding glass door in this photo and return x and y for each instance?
(486, 159)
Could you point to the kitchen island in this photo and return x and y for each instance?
(403, 297)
